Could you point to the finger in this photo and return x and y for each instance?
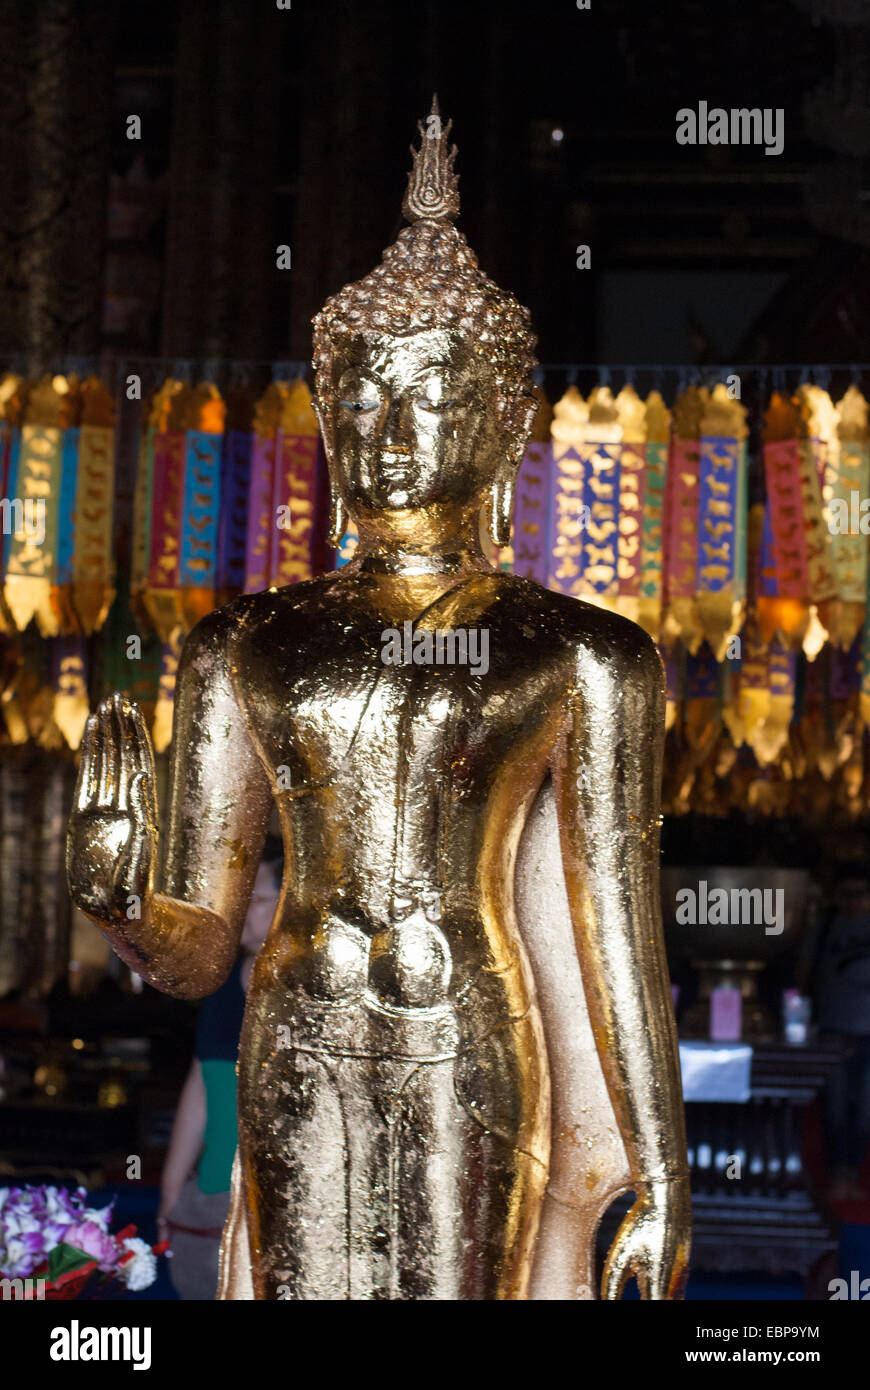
(138, 793)
(136, 858)
(84, 797)
(109, 760)
(100, 769)
(145, 755)
(128, 763)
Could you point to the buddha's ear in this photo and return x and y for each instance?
(324, 420)
(337, 517)
(516, 415)
(337, 508)
(501, 505)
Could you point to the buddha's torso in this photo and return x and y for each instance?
(402, 788)
(393, 1046)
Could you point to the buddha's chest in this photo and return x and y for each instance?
(403, 705)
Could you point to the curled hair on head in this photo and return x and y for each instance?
(430, 278)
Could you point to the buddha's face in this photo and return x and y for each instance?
(416, 424)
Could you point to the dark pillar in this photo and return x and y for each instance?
(220, 266)
(56, 85)
(352, 157)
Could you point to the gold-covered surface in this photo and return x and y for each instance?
(415, 1068)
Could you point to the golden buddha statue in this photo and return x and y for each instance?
(459, 1043)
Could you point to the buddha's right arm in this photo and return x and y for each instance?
(174, 917)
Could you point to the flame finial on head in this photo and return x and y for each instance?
(433, 186)
(429, 278)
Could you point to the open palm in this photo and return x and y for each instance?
(113, 827)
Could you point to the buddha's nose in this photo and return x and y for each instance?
(394, 436)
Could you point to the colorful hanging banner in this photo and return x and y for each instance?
(163, 587)
(767, 578)
(62, 579)
(33, 548)
(566, 520)
(721, 583)
(782, 678)
(69, 680)
(235, 482)
(816, 425)
(294, 497)
(13, 391)
(784, 601)
(261, 488)
(601, 452)
(631, 412)
(170, 654)
(845, 671)
(681, 520)
(657, 426)
(93, 579)
(865, 660)
(142, 511)
(201, 504)
(673, 684)
(702, 701)
(745, 682)
(782, 468)
(851, 489)
(532, 508)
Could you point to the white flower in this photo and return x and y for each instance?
(141, 1271)
(98, 1216)
(56, 1209)
(20, 1224)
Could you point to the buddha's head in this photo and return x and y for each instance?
(424, 375)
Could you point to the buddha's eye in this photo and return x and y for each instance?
(358, 394)
(435, 397)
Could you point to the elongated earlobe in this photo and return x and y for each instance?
(337, 509)
(337, 517)
(501, 510)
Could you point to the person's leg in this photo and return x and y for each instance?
(193, 1267)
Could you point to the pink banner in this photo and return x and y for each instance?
(681, 522)
(261, 519)
(782, 473)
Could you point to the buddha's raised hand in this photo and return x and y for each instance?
(112, 837)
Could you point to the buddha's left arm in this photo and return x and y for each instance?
(607, 775)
